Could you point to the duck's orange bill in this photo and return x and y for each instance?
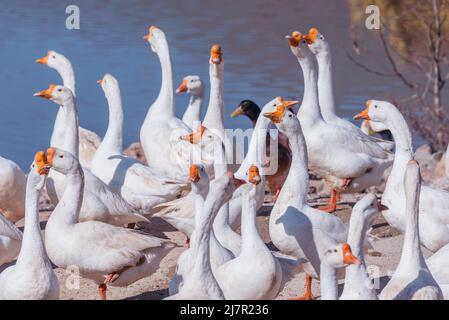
(182, 87)
(43, 60)
(294, 38)
(148, 36)
(195, 137)
(348, 257)
(216, 54)
(253, 175)
(50, 155)
(41, 161)
(47, 93)
(194, 173)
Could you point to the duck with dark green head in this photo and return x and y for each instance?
(274, 182)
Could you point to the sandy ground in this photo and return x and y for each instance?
(383, 258)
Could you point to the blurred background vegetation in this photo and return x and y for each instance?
(414, 36)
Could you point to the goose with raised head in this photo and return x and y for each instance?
(192, 85)
(336, 257)
(320, 46)
(274, 180)
(433, 203)
(412, 279)
(348, 162)
(89, 141)
(200, 282)
(106, 254)
(137, 183)
(10, 240)
(12, 190)
(99, 202)
(32, 277)
(184, 207)
(358, 285)
(295, 228)
(160, 131)
(255, 274)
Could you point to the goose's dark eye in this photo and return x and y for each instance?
(289, 115)
(335, 250)
(61, 156)
(59, 90)
(321, 37)
(54, 57)
(375, 106)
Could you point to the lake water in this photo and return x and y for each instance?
(258, 61)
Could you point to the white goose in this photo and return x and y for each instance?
(320, 47)
(336, 257)
(104, 253)
(412, 279)
(12, 190)
(32, 277)
(88, 140)
(358, 285)
(200, 282)
(99, 201)
(433, 203)
(180, 213)
(193, 85)
(160, 131)
(138, 184)
(255, 274)
(347, 161)
(295, 228)
(10, 240)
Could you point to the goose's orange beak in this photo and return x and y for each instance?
(194, 173)
(100, 81)
(50, 156)
(216, 54)
(294, 38)
(364, 114)
(47, 93)
(41, 161)
(43, 60)
(182, 87)
(253, 175)
(276, 116)
(348, 257)
(313, 32)
(195, 137)
(148, 36)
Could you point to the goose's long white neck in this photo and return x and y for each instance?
(67, 211)
(256, 150)
(325, 86)
(250, 233)
(357, 282)
(71, 140)
(32, 250)
(403, 154)
(213, 119)
(192, 114)
(411, 257)
(112, 143)
(68, 80)
(200, 245)
(296, 185)
(309, 112)
(328, 282)
(164, 105)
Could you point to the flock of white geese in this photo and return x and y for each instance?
(100, 194)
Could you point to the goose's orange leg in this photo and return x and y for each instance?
(308, 290)
(332, 206)
(102, 291)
